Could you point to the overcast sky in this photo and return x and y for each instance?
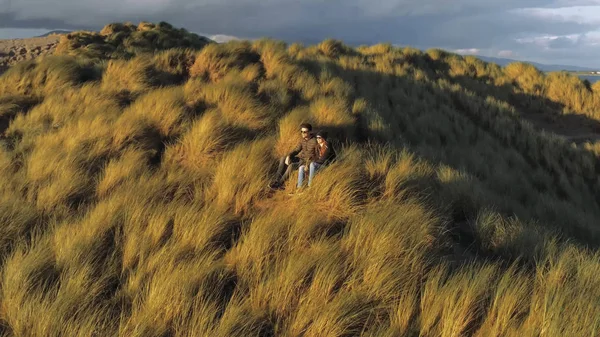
(552, 31)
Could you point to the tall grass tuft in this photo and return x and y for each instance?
(50, 74)
(242, 175)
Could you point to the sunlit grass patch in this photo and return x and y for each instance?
(216, 60)
(135, 76)
(208, 137)
(238, 104)
(50, 74)
(242, 175)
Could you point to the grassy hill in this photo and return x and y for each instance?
(124, 41)
(134, 200)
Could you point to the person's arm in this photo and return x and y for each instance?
(296, 150)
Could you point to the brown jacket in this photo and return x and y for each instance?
(326, 154)
(307, 150)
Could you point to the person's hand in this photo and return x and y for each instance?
(287, 160)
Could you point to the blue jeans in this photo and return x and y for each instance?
(312, 169)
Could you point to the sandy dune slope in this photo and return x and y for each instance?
(16, 50)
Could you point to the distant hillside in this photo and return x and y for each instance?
(113, 41)
(540, 66)
(135, 195)
(56, 32)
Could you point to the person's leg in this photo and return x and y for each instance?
(280, 171)
(300, 176)
(288, 171)
(313, 167)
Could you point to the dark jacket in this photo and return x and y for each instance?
(306, 150)
(326, 154)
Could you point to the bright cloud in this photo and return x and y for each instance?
(546, 40)
(506, 53)
(576, 14)
(468, 51)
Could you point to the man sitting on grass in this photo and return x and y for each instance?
(304, 153)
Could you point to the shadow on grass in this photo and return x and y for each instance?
(542, 112)
(452, 136)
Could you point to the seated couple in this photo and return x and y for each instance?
(312, 153)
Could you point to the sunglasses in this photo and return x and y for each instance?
(304, 131)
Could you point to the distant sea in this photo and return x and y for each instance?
(590, 78)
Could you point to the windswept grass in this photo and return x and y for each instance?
(215, 61)
(134, 197)
(43, 76)
(237, 103)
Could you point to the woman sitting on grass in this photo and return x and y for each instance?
(325, 154)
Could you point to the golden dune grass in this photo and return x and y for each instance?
(134, 197)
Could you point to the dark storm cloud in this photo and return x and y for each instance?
(494, 26)
(8, 20)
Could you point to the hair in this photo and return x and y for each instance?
(306, 125)
(323, 134)
(324, 145)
